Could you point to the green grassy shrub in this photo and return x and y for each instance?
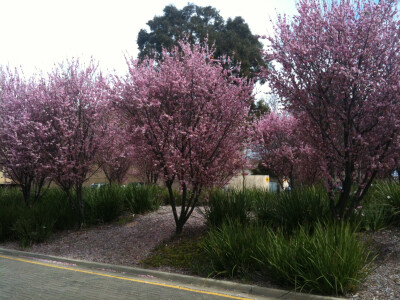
(387, 195)
(232, 205)
(164, 196)
(11, 206)
(103, 204)
(55, 202)
(331, 261)
(230, 248)
(141, 199)
(289, 210)
(266, 207)
(374, 215)
(35, 224)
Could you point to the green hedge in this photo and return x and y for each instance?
(329, 260)
(54, 212)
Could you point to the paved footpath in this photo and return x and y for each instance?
(26, 275)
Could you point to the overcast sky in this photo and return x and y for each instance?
(37, 33)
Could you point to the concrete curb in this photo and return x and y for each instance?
(172, 277)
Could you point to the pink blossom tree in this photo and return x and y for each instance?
(116, 152)
(278, 145)
(26, 137)
(338, 70)
(144, 162)
(76, 97)
(192, 114)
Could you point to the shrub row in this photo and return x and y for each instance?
(302, 207)
(330, 259)
(290, 238)
(286, 210)
(54, 212)
(382, 206)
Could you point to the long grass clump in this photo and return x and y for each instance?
(329, 259)
(224, 205)
(54, 212)
(103, 204)
(35, 224)
(385, 195)
(141, 199)
(289, 210)
(11, 206)
(230, 248)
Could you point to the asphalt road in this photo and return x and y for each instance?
(24, 278)
(25, 275)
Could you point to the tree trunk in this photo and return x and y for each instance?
(186, 208)
(172, 201)
(26, 192)
(343, 203)
(179, 227)
(79, 204)
(292, 183)
(40, 187)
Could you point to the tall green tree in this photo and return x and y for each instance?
(232, 38)
(258, 109)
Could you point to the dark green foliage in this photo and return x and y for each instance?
(289, 210)
(259, 109)
(380, 208)
(34, 225)
(374, 215)
(141, 199)
(230, 248)
(386, 195)
(54, 212)
(55, 202)
(230, 204)
(164, 196)
(237, 41)
(11, 205)
(287, 240)
(103, 204)
(330, 260)
(232, 38)
(166, 30)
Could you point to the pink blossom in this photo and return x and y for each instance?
(190, 116)
(337, 72)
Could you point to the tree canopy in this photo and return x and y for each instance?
(192, 116)
(339, 74)
(26, 136)
(232, 38)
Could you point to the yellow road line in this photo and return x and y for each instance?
(125, 278)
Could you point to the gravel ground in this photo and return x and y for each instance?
(129, 243)
(384, 282)
(125, 244)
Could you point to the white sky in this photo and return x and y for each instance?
(35, 34)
